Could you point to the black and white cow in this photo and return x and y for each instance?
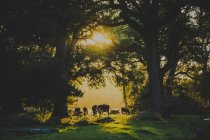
(85, 111)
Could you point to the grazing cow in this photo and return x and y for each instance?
(94, 110)
(125, 111)
(114, 112)
(77, 112)
(103, 108)
(85, 110)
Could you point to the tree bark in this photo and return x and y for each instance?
(170, 81)
(60, 95)
(153, 66)
(124, 95)
(60, 105)
(64, 65)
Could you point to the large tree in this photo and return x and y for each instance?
(37, 24)
(149, 18)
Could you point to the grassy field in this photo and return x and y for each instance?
(122, 128)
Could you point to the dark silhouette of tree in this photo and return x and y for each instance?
(41, 57)
(39, 24)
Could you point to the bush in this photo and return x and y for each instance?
(23, 119)
(185, 104)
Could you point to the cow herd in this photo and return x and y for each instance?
(99, 110)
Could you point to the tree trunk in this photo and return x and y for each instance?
(60, 96)
(170, 81)
(60, 106)
(64, 64)
(124, 95)
(173, 54)
(153, 66)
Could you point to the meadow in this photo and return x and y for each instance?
(116, 127)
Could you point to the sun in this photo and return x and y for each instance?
(100, 38)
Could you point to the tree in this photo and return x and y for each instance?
(47, 23)
(147, 17)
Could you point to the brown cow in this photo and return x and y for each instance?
(85, 110)
(94, 110)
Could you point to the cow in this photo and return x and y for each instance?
(77, 112)
(85, 110)
(125, 111)
(103, 108)
(94, 110)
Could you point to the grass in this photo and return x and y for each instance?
(123, 128)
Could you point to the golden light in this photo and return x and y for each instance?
(100, 38)
(97, 39)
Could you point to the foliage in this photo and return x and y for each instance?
(158, 49)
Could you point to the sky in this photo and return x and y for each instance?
(109, 94)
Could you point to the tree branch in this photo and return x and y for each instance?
(188, 75)
(111, 24)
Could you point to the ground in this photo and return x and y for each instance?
(119, 127)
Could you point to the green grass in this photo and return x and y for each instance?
(124, 128)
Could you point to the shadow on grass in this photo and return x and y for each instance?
(177, 128)
(123, 128)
